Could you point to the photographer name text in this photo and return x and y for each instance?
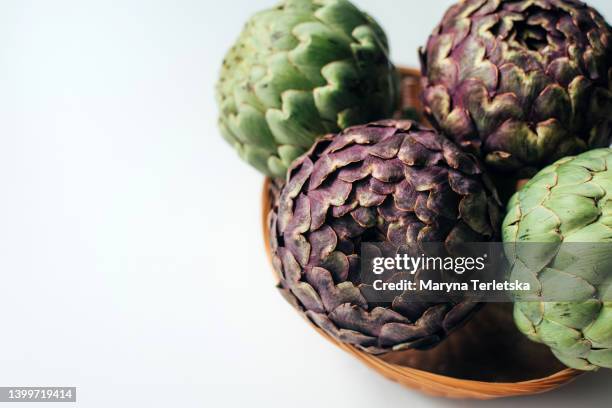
(448, 287)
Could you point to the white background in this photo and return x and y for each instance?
(130, 235)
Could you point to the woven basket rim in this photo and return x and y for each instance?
(409, 72)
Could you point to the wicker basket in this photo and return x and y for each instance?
(486, 358)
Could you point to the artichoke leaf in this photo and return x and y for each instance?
(560, 337)
(599, 332)
(573, 314)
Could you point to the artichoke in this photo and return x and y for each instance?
(521, 83)
(569, 201)
(299, 71)
(388, 182)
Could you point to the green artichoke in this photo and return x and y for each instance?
(390, 182)
(299, 71)
(522, 83)
(569, 201)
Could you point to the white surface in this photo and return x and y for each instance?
(130, 246)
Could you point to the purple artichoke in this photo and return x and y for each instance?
(389, 181)
(522, 83)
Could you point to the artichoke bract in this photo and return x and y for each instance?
(299, 71)
(569, 201)
(388, 182)
(522, 83)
